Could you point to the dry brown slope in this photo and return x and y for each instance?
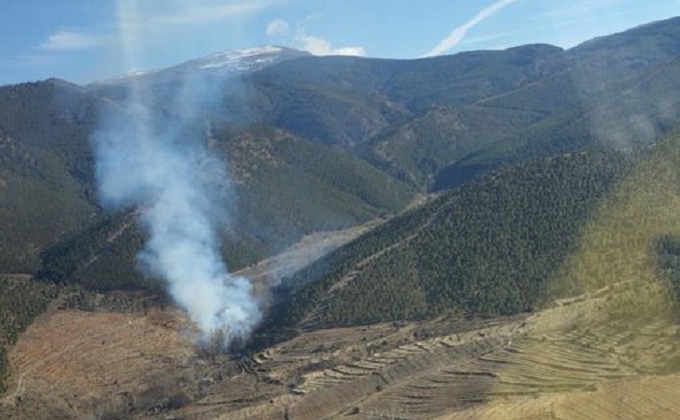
(74, 362)
(651, 397)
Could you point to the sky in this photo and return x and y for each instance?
(85, 41)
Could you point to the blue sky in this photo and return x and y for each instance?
(83, 41)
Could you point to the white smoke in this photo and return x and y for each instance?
(162, 165)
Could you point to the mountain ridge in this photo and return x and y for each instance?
(225, 63)
(424, 122)
(494, 181)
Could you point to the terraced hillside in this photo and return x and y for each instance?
(144, 367)
(74, 364)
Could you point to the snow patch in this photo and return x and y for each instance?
(241, 60)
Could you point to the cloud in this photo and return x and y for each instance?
(298, 38)
(277, 27)
(459, 33)
(64, 40)
(320, 46)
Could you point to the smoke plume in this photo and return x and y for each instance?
(160, 163)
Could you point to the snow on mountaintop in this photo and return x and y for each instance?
(240, 60)
(223, 63)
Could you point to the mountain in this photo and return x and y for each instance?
(285, 188)
(537, 95)
(498, 184)
(281, 116)
(348, 100)
(46, 178)
(419, 125)
(487, 247)
(224, 64)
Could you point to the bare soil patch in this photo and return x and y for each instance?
(80, 363)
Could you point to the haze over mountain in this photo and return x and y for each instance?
(525, 151)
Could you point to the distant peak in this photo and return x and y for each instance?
(245, 59)
(249, 52)
(226, 63)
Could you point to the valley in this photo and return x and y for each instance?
(488, 235)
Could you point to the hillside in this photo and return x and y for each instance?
(617, 91)
(487, 247)
(354, 99)
(285, 188)
(45, 168)
(430, 123)
(549, 363)
(499, 226)
(47, 154)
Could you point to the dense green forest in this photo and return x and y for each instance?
(488, 247)
(46, 186)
